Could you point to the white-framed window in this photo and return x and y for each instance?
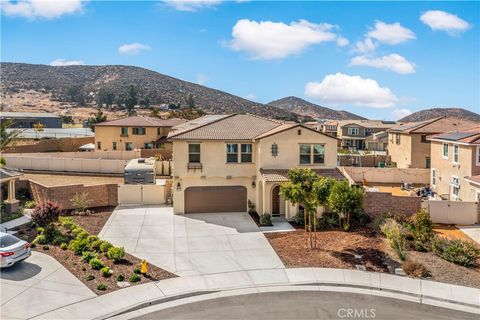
(397, 138)
(434, 177)
(312, 154)
(455, 184)
(194, 152)
(246, 152)
(455, 153)
(232, 153)
(352, 131)
(477, 156)
(445, 151)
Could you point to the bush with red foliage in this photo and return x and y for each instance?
(46, 213)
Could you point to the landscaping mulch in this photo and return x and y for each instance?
(94, 222)
(335, 249)
(81, 269)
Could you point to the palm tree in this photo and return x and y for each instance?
(7, 138)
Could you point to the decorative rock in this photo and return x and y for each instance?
(400, 272)
(360, 267)
(358, 256)
(123, 284)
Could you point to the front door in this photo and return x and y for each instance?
(276, 201)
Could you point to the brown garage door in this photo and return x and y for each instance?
(215, 199)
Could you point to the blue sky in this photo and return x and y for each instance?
(377, 59)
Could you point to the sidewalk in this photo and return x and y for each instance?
(322, 279)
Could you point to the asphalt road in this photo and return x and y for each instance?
(306, 305)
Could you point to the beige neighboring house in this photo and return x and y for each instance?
(222, 161)
(408, 146)
(377, 141)
(135, 132)
(455, 172)
(354, 133)
(329, 127)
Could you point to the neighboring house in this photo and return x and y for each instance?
(353, 133)
(135, 132)
(329, 128)
(377, 141)
(408, 146)
(29, 119)
(221, 161)
(455, 173)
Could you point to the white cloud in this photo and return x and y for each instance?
(342, 42)
(342, 89)
(277, 40)
(390, 33)
(444, 21)
(202, 79)
(132, 48)
(191, 5)
(47, 9)
(365, 46)
(250, 96)
(63, 62)
(400, 113)
(393, 62)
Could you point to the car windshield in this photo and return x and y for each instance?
(8, 240)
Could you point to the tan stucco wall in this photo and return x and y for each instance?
(108, 135)
(446, 169)
(401, 153)
(216, 172)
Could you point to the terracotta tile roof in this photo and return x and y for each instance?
(281, 175)
(436, 125)
(368, 123)
(468, 136)
(141, 121)
(232, 127)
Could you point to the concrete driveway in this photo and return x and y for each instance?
(38, 285)
(191, 244)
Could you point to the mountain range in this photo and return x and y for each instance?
(441, 112)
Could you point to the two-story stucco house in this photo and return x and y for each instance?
(455, 172)
(136, 132)
(353, 133)
(222, 161)
(408, 145)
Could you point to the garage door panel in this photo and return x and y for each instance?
(215, 199)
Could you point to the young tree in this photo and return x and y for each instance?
(344, 200)
(99, 117)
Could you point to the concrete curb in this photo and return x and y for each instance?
(197, 288)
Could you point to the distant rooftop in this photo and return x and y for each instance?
(141, 121)
(28, 115)
(467, 136)
(368, 123)
(435, 125)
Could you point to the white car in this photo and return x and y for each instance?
(13, 250)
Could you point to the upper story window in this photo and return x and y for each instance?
(434, 177)
(274, 150)
(397, 138)
(124, 132)
(312, 154)
(369, 131)
(232, 153)
(445, 151)
(246, 150)
(128, 146)
(455, 153)
(352, 131)
(423, 138)
(194, 152)
(455, 187)
(138, 131)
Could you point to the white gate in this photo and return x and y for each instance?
(452, 212)
(141, 194)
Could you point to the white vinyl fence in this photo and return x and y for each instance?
(452, 212)
(388, 175)
(110, 155)
(141, 194)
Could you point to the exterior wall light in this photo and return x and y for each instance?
(253, 184)
(179, 187)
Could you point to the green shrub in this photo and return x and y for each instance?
(78, 246)
(265, 219)
(106, 272)
(299, 219)
(87, 256)
(396, 237)
(137, 271)
(54, 236)
(40, 239)
(40, 230)
(80, 202)
(67, 223)
(102, 287)
(116, 253)
(77, 230)
(415, 269)
(63, 246)
(96, 264)
(422, 230)
(91, 239)
(457, 251)
(328, 221)
(95, 245)
(360, 218)
(90, 277)
(29, 204)
(105, 246)
(83, 235)
(120, 277)
(135, 278)
(251, 207)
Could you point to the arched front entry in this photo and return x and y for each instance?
(276, 201)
